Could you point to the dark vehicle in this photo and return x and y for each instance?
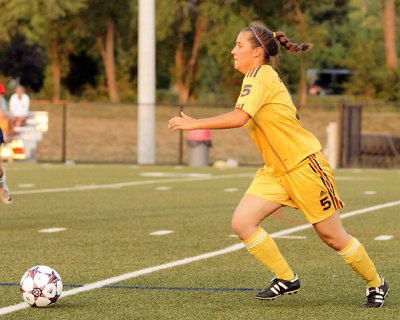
(327, 81)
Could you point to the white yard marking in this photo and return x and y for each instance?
(370, 192)
(50, 230)
(231, 189)
(383, 237)
(170, 174)
(163, 188)
(134, 183)
(26, 185)
(354, 178)
(281, 237)
(238, 246)
(160, 232)
(291, 237)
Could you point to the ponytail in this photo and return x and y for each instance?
(263, 37)
(292, 47)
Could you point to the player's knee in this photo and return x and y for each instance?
(331, 241)
(238, 225)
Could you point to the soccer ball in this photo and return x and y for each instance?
(41, 286)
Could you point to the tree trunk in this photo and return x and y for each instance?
(56, 71)
(180, 70)
(390, 35)
(302, 83)
(107, 53)
(185, 71)
(192, 64)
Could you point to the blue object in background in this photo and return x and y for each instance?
(4, 103)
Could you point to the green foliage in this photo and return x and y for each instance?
(345, 33)
(225, 20)
(366, 54)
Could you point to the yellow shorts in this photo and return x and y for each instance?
(309, 187)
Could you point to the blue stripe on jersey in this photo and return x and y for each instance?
(253, 72)
(257, 71)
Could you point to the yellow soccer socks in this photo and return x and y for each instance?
(356, 256)
(265, 250)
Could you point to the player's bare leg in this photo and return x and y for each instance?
(353, 252)
(332, 232)
(248, 215)
(5, 194)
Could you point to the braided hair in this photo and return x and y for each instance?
(261, 36)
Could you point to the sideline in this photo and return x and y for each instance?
(134, 183)
(126, 276)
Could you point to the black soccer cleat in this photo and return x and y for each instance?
(279, 287)
(376, 295)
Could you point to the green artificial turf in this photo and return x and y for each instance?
(108, 235)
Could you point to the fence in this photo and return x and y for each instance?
(369, 141)
(107, 133)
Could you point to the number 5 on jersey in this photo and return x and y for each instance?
(246, 90)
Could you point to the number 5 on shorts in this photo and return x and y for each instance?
(325, 203)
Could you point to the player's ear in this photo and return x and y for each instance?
(257, 52)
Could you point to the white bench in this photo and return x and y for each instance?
(23, 147)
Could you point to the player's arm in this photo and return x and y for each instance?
(234, 119)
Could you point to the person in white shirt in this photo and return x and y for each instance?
(19, 105)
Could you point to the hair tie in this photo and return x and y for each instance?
(274, 34)
(259, 40)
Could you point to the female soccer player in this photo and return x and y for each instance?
(4, 192)
(295, 174)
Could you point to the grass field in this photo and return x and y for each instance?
(109, 212)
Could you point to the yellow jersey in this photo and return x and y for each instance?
(274, 125)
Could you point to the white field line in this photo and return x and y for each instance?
(384, 237)
(126, 276)
(161, 232)
(132, 183)
(50, 230)
(291, 237)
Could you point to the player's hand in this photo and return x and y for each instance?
(183, 122)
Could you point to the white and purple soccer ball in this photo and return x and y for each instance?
(41, 286)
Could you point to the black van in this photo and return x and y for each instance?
(327, 81)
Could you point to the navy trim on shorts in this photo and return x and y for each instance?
(1, 137)
(326, 187)
(330, 183)
(325, 180)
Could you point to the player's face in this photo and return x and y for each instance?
(243, 52)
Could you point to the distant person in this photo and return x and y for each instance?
(4, 192)
(295, 174)
(19, 106)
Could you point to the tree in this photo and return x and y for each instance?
(186, 30)
(23, 61)
(367, 54)
(105, 22)
(48, 22)
(390, 35)
(199, 36)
